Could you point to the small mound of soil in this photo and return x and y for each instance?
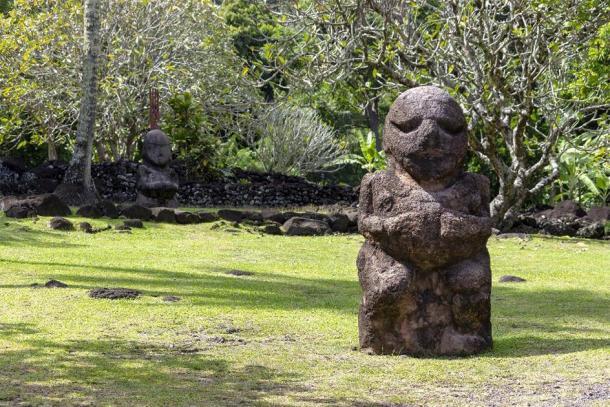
(114, 293)
(55, 284)
(512, 279)
(171, 298)
(240, 273)
(227, 341)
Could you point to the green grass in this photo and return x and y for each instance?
(285, 336)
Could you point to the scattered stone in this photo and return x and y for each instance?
(305, 227)
(41, 205)
(137, 212)
(512, 279)
(253, 216)
(352, 216)
(231, 215)
(314, 216)
(339, 223)
(133, 223)
(559, 226)
(90, 211)
(164, 215)
(273, 215)
(207, 217)
(171, 298)
(522, 229)
(424, 268)
(186, 218)
(240, 273)
(593, 231)
(109, 209)
(598, 214)
(114, 293)
(85, 227)
(122, 228)
(20, 212)
(157, 181)
(55, 284)
(59, 223)
(565, 210)
(272, 230)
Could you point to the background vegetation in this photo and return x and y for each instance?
(531, 76)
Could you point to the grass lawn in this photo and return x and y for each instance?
(284, 336)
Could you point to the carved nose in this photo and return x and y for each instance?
(431, 132)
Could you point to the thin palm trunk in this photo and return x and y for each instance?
(78, 186)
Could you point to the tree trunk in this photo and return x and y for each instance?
(78, 187)
(51, 149)
(102, 154)
(371, 111)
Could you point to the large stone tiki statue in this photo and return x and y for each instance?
(424, 268)
(157, 181)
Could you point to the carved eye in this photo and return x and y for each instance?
(452, 127)
(408, 125)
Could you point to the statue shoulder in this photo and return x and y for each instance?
(480, 183)
(371, 186)
(371, 179)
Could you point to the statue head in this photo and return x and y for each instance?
(157, 148)
(425, 135)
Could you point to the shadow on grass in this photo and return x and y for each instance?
(546, 321)
(529, 322)
(115, 372)
(18, 235)
(215, 286)
(122, 372)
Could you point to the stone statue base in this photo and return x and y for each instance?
(422, 313)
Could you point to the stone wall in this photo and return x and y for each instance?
(117, 182)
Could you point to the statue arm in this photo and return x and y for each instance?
(369, 225)
(375, 227)
(458, 225)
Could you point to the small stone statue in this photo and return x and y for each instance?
(424, 267)
(157, 182)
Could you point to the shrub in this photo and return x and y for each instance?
(295, 141)
(197, 147)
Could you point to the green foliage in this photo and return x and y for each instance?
(174, 48)
(186, 126)
(5, 6)
(254, 30)
(234, 155)
(584, 173)
(369, 158)
(34, 109)
(592, 78)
